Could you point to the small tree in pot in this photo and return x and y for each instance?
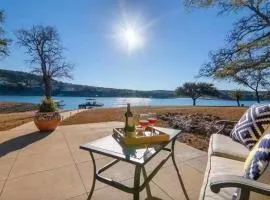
(47, 119)
(42, 44)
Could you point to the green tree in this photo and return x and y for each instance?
(4, 42)
(196, 90)
(237, 95)
(42, 44)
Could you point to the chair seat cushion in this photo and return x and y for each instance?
(218, 166)
(224, 146)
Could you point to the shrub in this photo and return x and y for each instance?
(47, 105)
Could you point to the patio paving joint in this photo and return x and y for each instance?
(12, 166)
(37, 172)
(187, 163)
(70, 198)
(162, 190)
(74, 160)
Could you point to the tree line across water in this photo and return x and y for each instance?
(245, 59)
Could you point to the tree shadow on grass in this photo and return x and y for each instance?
(20, 142)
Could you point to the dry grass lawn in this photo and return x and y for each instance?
(12, 107)
(15, 114)
(12, 120)
(117, 114)
(198, 141)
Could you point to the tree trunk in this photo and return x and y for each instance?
(47, 87)
(238, 102)
(257, 96)
(194, 102)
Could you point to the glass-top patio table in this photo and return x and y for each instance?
(136, 155)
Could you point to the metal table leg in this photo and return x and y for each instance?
(94, 177)
(148, 190)
(137, 176)
(137, 188)
(177, 170)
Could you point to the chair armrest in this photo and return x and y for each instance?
(244, 184)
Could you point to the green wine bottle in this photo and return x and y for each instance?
(129, 124)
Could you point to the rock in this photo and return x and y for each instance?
(192, 123)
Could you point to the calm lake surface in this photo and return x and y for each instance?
(73, 102)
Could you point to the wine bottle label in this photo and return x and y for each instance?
(130, 122)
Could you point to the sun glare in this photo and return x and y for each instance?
(131, 38)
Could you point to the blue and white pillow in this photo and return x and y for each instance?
(252, 125)
(258, 159)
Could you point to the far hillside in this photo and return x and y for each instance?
(23, 83)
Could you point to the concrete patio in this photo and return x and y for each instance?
(51, 166)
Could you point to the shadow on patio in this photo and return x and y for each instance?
(20, 142)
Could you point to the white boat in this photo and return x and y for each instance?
(90, 103)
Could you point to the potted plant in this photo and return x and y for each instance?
(45, 50)
(47, 118)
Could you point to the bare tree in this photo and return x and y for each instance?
(196, 90)
(4, 42)
(254, 79)
(237, 95)
(246, 57)
(42, 44)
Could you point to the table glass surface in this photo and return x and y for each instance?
(137, 154)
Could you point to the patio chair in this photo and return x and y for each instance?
(224, 172)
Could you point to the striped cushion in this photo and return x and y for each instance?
(252, 125)
(258, 158)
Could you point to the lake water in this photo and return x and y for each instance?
(73, 102)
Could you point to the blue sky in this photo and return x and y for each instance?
(175, 41)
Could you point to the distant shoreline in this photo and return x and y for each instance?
(202, 98)
(115, 102)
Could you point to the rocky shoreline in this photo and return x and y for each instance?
(12, 107)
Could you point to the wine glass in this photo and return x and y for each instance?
(143, 121)
(152, 120)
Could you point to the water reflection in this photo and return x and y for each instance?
(121, 102)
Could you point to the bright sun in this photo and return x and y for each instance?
(131, 38)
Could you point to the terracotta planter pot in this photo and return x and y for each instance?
(47, 121)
